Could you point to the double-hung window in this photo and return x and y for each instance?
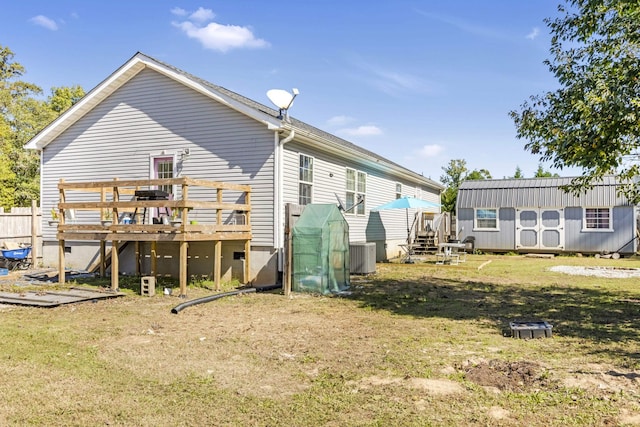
(597, 219)
(164, 169)
(486, 219)
(305, 180)
(398, 190)
(356, 191)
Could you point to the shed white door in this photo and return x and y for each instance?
(540, 229)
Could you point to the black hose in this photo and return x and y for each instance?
(180, 307)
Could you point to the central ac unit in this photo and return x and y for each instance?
(363, 257)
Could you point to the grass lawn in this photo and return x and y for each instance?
(413, 345)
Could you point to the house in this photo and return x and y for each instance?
(151, 120)
(537, 215)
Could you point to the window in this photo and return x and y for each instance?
(486, 219)
(305, 180)
(597, 219)
(164, 169)
(356, 191)
(398, 190)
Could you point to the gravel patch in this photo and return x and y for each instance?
(610, 272)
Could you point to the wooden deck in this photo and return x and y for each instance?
(94, 203)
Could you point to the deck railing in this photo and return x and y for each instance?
(100, 207)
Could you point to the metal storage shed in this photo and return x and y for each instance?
(537, 215)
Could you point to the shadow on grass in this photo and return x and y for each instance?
(597, 315)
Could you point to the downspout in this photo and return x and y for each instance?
(279, 194)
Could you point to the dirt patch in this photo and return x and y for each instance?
(505, 376)
(603, 380)
(428, 385)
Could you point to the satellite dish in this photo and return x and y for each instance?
(282, 99)
(341, 205)
(344, 208)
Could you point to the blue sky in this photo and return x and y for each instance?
(419, 82)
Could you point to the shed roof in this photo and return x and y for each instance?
(269, 116)
(537, 192)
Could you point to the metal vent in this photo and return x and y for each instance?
(363, 257)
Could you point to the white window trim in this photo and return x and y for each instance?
(163, 155)
(354, 211)
(596, 230)
(400, 192)
(475, 220)
(313, 163)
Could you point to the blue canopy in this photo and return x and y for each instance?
(406, 202)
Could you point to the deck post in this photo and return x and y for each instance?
(61, 272)
(183, 269)
(217, 255)
(114, 266)
(34, 233)
(154, 258)
(247, 262)
(103, 258)
(137, 248)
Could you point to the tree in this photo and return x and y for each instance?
(22, 115)
(62, 98)
(541, 173)
(518, 174)
(478, 174)
(455, 173)
(593, 120)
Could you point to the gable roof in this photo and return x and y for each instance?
(537, 192)
(262, 113)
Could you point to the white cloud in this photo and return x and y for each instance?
(216, 36)
(366, 130)
(431, 150)
(44, 22)
(178, 11)
(340, 120)
(391, 82)
(534, 33)
(202, 15)
(465, 26)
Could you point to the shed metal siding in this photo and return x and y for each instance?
(536, 192)
(578, 240)
(502, 240)
(151, 113)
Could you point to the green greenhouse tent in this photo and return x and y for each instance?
(321, 250)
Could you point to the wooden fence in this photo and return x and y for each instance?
(23, 225)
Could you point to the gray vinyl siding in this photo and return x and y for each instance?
(330, 179)
(152, 113)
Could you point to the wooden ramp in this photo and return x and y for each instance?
(55, 298)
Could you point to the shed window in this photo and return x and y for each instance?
(597, 219)
(305, 180)
(486, 219)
